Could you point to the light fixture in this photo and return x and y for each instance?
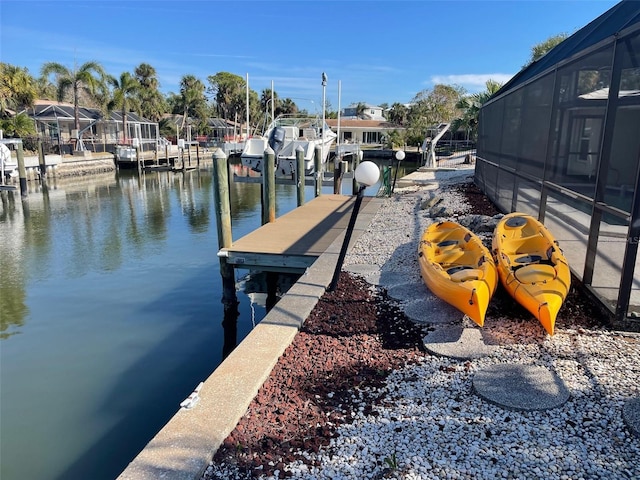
(366, 174)
(399, 157)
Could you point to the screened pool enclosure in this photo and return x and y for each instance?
(561, 141)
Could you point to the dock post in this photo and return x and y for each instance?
(317, 162)
(22, 172)
(198, 155)
(339, 171)
(156, 162)
(138, 158)
(269, 186)
(41, 161)
(357, 158)
(300, 174)
(223, 223)
(166, 155)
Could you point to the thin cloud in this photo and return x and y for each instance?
(471, 81)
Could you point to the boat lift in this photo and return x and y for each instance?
(429, 145)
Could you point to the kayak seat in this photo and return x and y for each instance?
(535, 273)
(464, 273)
(531, 245)
(447, 243)
(455, 257)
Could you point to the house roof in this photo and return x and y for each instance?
(348, 123)
(367, 105)
(48, 110)
(620, 17)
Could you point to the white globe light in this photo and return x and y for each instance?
(367, 173)
(400, 155)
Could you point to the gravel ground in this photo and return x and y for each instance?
(357, 396)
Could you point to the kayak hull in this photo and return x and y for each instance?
(531, 266)
(458, 268)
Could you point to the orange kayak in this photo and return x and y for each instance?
(458, 268)
(531, 266)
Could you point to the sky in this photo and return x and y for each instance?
(371, 51)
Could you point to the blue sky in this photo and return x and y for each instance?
(380, 51)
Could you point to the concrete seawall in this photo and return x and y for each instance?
(186, 444)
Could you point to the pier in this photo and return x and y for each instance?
(294, 241)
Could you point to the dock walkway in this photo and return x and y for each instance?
(294, 241)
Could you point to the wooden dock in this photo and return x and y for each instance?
(294, 241)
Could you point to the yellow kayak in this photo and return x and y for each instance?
(458, 268)
(531, 266)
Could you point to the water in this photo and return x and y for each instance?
(111, 313)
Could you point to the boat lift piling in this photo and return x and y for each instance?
(22, 172)
(317, 160)
(41, 162)
(300, 174)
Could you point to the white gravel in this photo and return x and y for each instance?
(431, 425)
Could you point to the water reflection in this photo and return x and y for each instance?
(113, 282)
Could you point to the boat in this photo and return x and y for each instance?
(457, 267)
(531, 266)
(284, 135)
(8, 166)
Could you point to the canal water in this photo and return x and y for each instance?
(111, 313)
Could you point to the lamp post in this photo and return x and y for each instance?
(366, 174)
(324, 89)
(399, 157)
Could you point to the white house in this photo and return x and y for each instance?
(371, 112)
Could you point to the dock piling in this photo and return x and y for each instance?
(22, 172)
(269, 186)
(317, 162)
(223, 222)
(300, 174)
(41, 161)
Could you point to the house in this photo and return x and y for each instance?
(364, 132)
(561, 141)
(55, 124)
(371, 112)
(220, 130)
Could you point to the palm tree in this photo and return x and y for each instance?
(398, 113)
(361, 107)
(87, 79)
(17, 88)
(192, 101)
(152, 103)
(125, 90)
(470, 107)
(20, 125)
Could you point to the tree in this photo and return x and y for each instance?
(152, 102)
(192, 101)
(430, 108)
(287, 107)
(87, 79)
(229, 92)
(397, 114)
(17, 88)
(539, 50)
(470, 108)
(125, 91)
(20, 125)
(361, 108)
